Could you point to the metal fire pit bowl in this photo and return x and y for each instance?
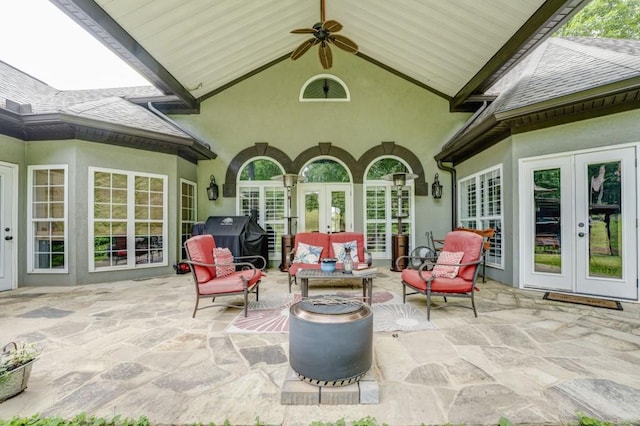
(330, 340)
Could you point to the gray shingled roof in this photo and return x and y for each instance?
(566, 66)
(560, 67)
(119, 111)
(106, 105)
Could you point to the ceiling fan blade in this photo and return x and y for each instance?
(303, 31)
(344, 43)
(326, 58)
(332, 26)
(302, 49)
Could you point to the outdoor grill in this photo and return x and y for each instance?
(330, 340)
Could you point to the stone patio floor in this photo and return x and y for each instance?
(132, 348)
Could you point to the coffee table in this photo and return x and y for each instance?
(307, 274)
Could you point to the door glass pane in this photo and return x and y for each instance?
(338, 211)
(311, 212)
(546, 190)
(605, 219)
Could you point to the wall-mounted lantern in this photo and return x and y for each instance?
(436, 188)
(212, 190)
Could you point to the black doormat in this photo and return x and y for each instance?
(582, 300)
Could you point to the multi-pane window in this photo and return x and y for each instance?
(188, 211)
(47, 227)
(127, 220)
(480, 207)
(263, 198)
(381, 206)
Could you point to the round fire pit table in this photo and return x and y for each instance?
(330, 340)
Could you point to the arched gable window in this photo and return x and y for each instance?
(381, 205)
(259, 195)
(324, 88)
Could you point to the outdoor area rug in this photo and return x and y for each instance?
(271, 315)
(582, 300)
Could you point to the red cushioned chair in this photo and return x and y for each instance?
(421, 279)
(244, 280)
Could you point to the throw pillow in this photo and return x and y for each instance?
(340, 252)
(447, 270)
(306, 253)
(223, 259)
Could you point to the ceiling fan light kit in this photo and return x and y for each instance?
(324, 35)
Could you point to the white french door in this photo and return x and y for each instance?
(8, 226)
(578, 228)
(324, 207)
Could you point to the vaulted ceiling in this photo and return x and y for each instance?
(197, 48)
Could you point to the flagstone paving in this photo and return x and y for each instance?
(132, 348)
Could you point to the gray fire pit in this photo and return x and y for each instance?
(330, 340)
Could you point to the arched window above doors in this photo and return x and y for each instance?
(381, 205)
(326, 170)
(324, 88)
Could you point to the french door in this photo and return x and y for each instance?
(578, 228)
(324, 207)
(8, 226)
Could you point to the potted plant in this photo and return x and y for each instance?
(16, 361)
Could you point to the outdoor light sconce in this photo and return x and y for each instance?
(436, 188)
(212, 190)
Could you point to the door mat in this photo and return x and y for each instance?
(582, 300)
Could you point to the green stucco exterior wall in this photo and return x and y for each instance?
(383, 107)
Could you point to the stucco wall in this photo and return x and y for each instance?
(383, 107)
(593, 133)
(597, 132)
(499, 154)
(79, 155)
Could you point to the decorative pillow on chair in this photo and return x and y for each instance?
(447, 271)
(340, 252)
(306, 253)
(223, 258)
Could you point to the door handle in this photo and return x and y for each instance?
(8, 238)
(580, 234)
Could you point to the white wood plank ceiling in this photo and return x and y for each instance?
(207, 44)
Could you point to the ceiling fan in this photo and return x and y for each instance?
(324, 33)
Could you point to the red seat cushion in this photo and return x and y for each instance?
(438, 285)
(229, 284)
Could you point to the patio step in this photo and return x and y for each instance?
(297, 392)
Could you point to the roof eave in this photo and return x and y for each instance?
(60, 126)
(549, 17)
(616, 97)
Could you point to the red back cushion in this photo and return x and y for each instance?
(345, 237)
(313, 239)
(200, 249)
(470, 244)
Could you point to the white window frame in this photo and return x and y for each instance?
(322, 77)
(481, 203)
(408, 205)
(131, 220)
(30, 228)
(261, 186)
(194, 210)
